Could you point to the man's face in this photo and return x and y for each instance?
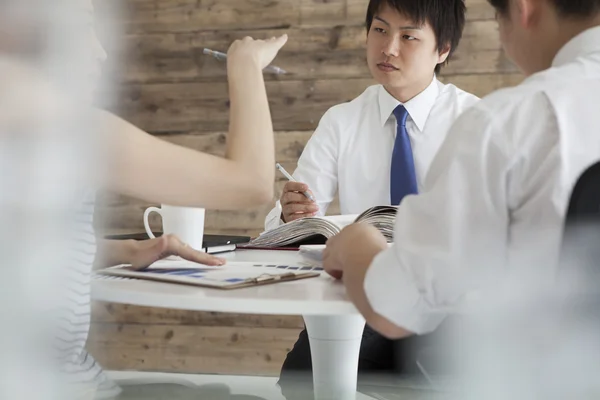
(401, 54)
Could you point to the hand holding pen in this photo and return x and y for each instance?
(243, 46)
(297, 200)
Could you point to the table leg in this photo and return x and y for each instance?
(334, 347)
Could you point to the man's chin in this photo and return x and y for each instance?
(389, 81)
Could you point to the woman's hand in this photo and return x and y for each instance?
(259, 52)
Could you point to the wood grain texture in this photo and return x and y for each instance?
(193, 349)
(135, 315)
(311, 53)
(126, 337)
(195, 15)
(192, 15)
(203, 106)
(295, 105)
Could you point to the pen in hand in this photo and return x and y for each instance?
(222, 56)
(291, 178)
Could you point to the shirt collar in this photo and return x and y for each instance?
(418, 107)
(586, 42)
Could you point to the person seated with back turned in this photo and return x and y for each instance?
(495, 200)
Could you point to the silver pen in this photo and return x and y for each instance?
(222, 56)
(291, 178)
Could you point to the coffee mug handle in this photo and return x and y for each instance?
(147, 213)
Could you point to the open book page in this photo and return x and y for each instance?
(381, 217)
(316, 230)
(341, 221)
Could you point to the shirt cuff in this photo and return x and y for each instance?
(273, 219)
(393, 293)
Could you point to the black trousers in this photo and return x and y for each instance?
(378, 355)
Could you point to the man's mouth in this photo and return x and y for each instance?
(386, 67)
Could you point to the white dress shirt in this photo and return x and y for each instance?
(351, 149)
(496, 196)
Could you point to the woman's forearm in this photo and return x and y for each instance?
(148, 168)
(250, 142)
(113, 252)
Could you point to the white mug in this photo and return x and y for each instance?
(187, 223)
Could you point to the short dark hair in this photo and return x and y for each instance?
(446, 17)
(565, 8)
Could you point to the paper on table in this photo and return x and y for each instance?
(232, 275)
(312, 253)
(178, 262)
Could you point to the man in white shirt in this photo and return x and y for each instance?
(352, 148)
(378, 147)
(495, 200)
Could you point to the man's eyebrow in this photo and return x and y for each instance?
(407, 27)
(382, 20)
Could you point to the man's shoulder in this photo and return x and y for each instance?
(455, 95)
(358, 106)
(508, 99)
(508, 110)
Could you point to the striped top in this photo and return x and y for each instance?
(74, 320)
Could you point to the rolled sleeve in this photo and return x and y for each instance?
(273, 219)
(393, 294)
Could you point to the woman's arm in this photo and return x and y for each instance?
(154, 170)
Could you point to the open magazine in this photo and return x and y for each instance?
(316, 230)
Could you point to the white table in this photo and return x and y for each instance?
(334, 325)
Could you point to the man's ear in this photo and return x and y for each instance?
(443, 56)
(529, 12)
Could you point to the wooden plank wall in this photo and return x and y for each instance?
(167, 87)
(170, 89)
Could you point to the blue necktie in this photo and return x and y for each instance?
(403, 177)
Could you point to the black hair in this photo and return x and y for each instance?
(565, 8)
(446, 17)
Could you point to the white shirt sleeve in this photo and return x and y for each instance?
(443, 237)
(317, 167)
(273, 219)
